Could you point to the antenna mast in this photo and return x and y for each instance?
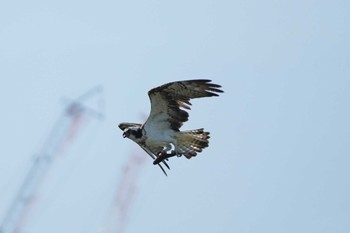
(61, 135)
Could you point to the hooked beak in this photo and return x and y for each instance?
(125, 134)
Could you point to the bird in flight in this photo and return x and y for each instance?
(160, 135)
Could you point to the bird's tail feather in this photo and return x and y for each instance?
(192, 141)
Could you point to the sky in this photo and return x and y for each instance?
(280, 134)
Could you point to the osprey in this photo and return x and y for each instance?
(160, 135)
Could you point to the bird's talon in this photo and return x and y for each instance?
(161, 156)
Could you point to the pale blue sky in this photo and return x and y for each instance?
(279, 152)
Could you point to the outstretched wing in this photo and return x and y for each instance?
(168, 100)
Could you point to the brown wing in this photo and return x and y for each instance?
(168, 99)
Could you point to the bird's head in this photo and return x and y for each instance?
(133, 133)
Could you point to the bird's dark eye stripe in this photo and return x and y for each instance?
(138, 133)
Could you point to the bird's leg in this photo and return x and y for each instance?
(162, 155)
(175, 150)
